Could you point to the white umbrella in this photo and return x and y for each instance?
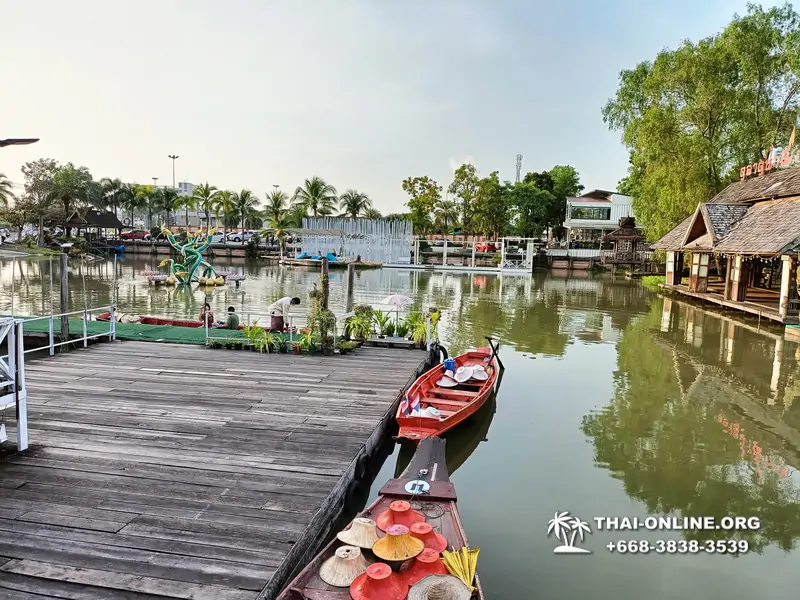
(397, 300)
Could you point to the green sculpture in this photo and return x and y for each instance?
(191, 251)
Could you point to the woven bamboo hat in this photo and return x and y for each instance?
(341, 569)
(362, 533)
(463, 374)
(440, 587)
(398, 513)
(397, 544)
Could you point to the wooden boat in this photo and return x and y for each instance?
(437, 504)
(150, 320)
(435, 403)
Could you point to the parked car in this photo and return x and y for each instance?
(136, 234)
(218, 238)
(236, 236)
(486, 247)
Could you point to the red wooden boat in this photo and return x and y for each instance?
(425, 485)
(441, 399)
(149, 320)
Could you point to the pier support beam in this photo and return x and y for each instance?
(788, 272)
(351, 276)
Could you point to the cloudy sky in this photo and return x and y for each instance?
(252, 93)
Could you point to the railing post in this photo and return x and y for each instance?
(428, 332)
(50, 335)
(112, 332)
(20, 389)
(291, 329)
(64, 259)
(85, 328)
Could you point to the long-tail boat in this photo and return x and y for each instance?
(448, 394)
(424, 485)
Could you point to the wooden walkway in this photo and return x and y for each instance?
(174, 471)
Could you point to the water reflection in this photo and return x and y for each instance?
(700, 421)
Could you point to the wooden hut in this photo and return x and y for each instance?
(743, 246)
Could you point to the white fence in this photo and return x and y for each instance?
(373, 239)
(13, 391)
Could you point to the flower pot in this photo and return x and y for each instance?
(297, 349)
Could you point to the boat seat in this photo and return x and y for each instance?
(438, 401)
(445, 392)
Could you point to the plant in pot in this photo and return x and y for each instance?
(382, 319)
(306, 343)
(413, 323)
(388, 329)
(401, 329)
(265, 341)
(212, 343)
(297, 348)
(360, 327)
(345, 347)
(280, 344)
(326, 322)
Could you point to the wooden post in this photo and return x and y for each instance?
(474, 244)
(64, 296)
(326, 288)
(351, 276)
(728, 279)
(786, 284)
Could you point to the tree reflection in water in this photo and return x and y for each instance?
(680, 436)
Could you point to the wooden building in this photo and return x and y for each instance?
(740, 248)
(628, 246)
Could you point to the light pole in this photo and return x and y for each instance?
(174, 157)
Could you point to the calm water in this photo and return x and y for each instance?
(615, 402)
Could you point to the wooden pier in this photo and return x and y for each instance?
(175, 471)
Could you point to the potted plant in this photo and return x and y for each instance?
(297, 348)
(306, 343)
(212, 343)
(280, 344)
(327, 345)
(346, 347)
(401, 330)
(265, 341)
(388, 329)
(382, 319)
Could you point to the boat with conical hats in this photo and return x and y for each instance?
(425, 485)
(448, 394)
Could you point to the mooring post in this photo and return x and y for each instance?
(64, 296)
(351, 276)
(325, 284)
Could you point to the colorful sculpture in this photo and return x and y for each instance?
(186, 271)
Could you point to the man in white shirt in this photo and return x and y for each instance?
(279, 312)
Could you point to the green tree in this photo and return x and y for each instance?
(372, 213)
(446, 215)
(425, 194)
(694, 115)
(168, 201)
(204, 197)
(187, 202)
(398, 217)
(353, 203)
(224, 204)
(491, 214)
(566, 184)
(73, 186)
(465, 187)
(6, 191)
(317, 196)
(246, 205)
(277, 202)
(531, 207)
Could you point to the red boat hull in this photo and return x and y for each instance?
(455, 405)
(147, 320)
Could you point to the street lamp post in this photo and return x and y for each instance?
(174, 157)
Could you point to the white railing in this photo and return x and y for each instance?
(13, 391)
(574, 252)
(54, 328)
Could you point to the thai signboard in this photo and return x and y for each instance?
(776, 159)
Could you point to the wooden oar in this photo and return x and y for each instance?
(494, 353)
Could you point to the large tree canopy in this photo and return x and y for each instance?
(695, 114)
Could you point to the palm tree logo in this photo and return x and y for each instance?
(566, 528)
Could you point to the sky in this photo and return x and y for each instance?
(364, 93)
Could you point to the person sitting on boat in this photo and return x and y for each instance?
(233, 320)
(279, 313)
(206, 316)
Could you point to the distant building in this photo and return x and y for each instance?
(185, 188)
(595, 214)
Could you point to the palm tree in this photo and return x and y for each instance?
(204, 200)
(278, 227)
(224, 204)
(186, 202)
(129, 198)
(316, 196)
(168, 200)
(246, 203)
(276, 205)
(152, 202)
(372, 213)
(353, 203)
(446, 213)
(6, 190)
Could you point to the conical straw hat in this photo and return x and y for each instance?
(427, 563)
(362, 533)
(433, 540)
(479, 373)
(398, 513)
(378, 583)
(341, 569)
(463, 374)
(440, 587)
(397, 545)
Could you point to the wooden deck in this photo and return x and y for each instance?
(764, 306)
(174, 471)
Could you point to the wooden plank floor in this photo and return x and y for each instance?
(162, 470)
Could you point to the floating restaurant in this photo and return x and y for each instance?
(740, 248)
